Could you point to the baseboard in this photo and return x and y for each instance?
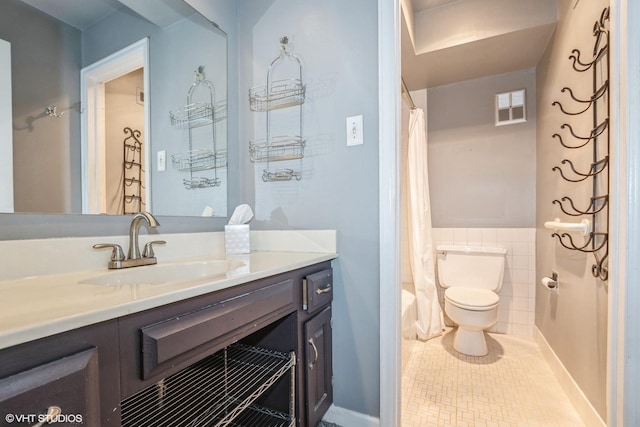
(586, 411)
(347, 418)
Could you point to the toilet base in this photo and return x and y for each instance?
(471, 343)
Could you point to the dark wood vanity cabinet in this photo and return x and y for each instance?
(75, 371)
(91, 371)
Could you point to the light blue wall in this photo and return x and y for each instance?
(337, 44)
(100, 40)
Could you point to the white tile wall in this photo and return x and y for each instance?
(516, 312)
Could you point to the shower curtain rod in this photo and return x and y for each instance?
(406, 92)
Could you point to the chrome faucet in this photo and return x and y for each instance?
(134, 259)
(134, 231)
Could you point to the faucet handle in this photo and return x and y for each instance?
(116, 255)
(147, 252)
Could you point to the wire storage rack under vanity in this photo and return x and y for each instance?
(275, 95)
(220, 390)
(204, 113)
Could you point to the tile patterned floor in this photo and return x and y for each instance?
(511, 386)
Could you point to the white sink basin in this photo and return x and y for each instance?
(164, 273)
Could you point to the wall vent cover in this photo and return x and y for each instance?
(511, 107)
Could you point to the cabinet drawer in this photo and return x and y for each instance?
(317, 290)
(165, 341)
(70, 384)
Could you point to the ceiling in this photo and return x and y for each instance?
(447, 41)
(82, 14)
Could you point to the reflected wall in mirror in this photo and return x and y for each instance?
(47, 56)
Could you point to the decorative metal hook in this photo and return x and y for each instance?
(595, 132)
(556, 135)
(284, 44)
(599, 269)
(592, 209)
(199, 72)
(580, 66)
(52, 111)
(572, 246)
(595, 168)
(591, 101)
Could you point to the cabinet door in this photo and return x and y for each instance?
(318, 363)
(67, 389)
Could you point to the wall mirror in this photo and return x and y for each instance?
(158, 129)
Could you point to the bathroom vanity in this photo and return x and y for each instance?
(260, 338)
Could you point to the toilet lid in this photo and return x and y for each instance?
(471, 298)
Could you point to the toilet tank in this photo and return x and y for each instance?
(470, 266)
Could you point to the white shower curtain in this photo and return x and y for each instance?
(430, 321)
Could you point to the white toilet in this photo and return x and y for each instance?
(472, 278)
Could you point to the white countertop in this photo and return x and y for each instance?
(40, 306)
(42, 294)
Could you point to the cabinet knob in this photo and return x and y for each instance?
(51, 415)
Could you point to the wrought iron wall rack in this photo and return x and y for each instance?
(596, 240)
(132, 172)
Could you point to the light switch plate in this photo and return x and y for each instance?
(354, 131)
(162, 160)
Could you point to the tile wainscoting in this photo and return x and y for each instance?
(516, 313)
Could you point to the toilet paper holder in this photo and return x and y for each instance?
(551, 283)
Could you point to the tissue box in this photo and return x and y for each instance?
(237, 239)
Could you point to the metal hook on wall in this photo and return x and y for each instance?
(52, 111)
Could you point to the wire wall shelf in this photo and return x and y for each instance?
(597, 140)
(281, 175)
(199, 160)
(192, 116)
(283, 94)
(275, 95)
(198, 115)
(201, 182)
(281, 148)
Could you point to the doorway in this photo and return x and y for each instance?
(94, 82)
(624, 344)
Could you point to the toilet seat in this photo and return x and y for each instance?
(472, 298)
